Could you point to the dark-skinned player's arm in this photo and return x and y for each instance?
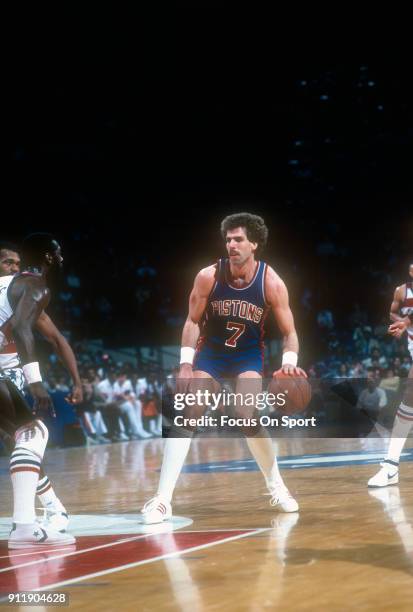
(63, 350)
(400, 324)
(198, 300)
(396, 304)
(277, 297)
(28, 298)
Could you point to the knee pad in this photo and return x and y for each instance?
(32, 437)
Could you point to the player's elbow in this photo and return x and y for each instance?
(53, 341)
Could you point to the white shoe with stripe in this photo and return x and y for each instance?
(36, 536)
(282, 498)
(58, 520)
(156, 510)
(387, 475)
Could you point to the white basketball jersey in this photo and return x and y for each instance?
(8, 351)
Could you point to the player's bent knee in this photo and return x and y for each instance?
(32, 437)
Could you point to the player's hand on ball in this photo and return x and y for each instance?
(291, 371)
(295, 388)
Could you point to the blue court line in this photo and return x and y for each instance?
(294, 462)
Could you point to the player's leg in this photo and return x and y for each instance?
(55, 512)
(261, 447)
(25, 461)
(176, 448)
(403, 422)
(55, 515)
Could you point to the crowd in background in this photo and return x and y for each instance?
(119, 403)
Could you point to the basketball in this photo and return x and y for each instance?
(297, 392)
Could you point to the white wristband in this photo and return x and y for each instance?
(290, 358)
(31, 372)
(187, 354)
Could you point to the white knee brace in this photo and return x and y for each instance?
(32, 437)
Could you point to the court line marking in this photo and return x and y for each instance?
(177, 553)
(319, 460)
(29, 554)
(71, 553)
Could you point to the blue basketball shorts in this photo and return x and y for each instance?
(225, 364)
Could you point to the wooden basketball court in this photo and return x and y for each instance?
(347, 549)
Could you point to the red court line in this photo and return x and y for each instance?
(43, 569)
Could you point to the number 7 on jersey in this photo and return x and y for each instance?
(239, 330)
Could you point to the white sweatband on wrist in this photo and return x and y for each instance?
(31, 372)
(290, 358)
(187, 354)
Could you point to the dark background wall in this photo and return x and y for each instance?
(131, 145)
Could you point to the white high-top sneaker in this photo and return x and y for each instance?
(55, 517)
(387, 475)
(156, 510)
(36, 536)
(282, 498)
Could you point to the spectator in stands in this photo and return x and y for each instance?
(375, 360)
(358, 370)
(343, 371)
(390, 382)
(150, 391)
(397, 367)
(111, 409)
(372, 399)
(125, 395)
(90, 415)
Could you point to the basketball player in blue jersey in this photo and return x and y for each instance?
(401, 313)
(223, 338)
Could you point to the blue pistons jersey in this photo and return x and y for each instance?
(232, 328)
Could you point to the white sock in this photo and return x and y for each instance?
(403, 423)
(47, 495)
(263, 452)
(24, 472)
(175, 452)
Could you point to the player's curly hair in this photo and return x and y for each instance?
(35, 246)
(254, 226)
(8, 246)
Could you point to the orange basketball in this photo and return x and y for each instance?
(296, 391)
